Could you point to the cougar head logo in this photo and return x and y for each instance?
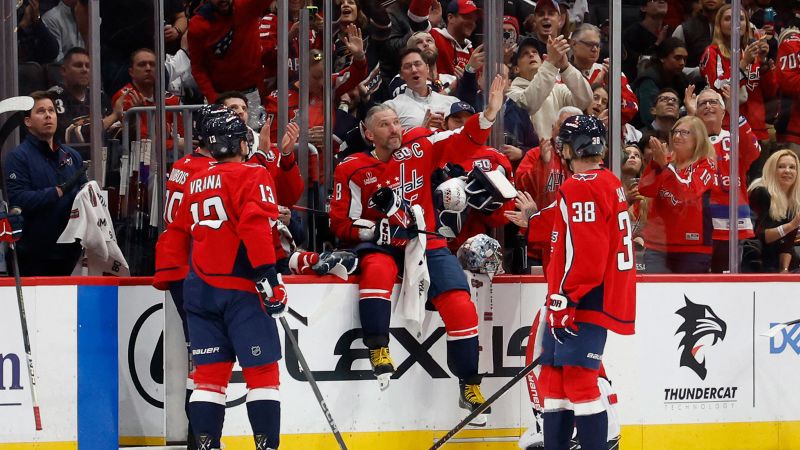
(701, 327)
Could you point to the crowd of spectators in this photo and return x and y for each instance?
(425, 59)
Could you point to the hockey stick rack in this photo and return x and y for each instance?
(443, 440)
(19, 104)
(310, 377)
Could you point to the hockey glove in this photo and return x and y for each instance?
(75, 179)
(329, 260)
(561, 317)
(11, 226)
(301, 263)
(395, 235)
(272, 293)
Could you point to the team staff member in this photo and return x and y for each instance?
(43, 178)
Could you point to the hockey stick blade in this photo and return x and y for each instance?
(772, 332)
(21, 103)
(485, 404)
(300, 318)
(311, 381)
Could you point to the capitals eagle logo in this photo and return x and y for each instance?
(701, 327)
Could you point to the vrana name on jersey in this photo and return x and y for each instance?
(208, 182)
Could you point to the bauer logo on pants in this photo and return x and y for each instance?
(701, 328)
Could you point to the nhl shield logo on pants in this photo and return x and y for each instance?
(255, 350)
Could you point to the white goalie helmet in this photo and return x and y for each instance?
(481, 254)
(451, 195)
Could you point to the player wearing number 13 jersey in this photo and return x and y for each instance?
(232, 291)
(591, 288)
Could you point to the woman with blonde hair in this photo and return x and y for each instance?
(678, 180)
(775, 199)
(757, 80)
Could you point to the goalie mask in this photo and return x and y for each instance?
(481, 254)
(224, 135)
(487, 191)
(585, 135)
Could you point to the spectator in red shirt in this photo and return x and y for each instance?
(268, 33)
(452, 42)
(140, 91)
(679, 180)
(225, 49)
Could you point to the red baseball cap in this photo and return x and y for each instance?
(461, 7)
(511, 20)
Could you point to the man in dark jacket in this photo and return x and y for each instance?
(43, 178)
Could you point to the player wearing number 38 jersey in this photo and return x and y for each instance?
(591, 288)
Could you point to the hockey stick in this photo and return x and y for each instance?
(772, 332)
(325, 213)
(301, 318)
(313, 383)
(20, 104)
(443, 440)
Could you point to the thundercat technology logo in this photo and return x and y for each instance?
(701, 327)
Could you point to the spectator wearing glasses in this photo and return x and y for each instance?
(642, 38)
(775, 200)
(711, 110)
(678, 181)
(419, 105)
(663, 70)
(664, 112)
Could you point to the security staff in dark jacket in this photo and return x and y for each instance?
(43, 178)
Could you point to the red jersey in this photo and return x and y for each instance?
(591, 260)
(268, 34)
(749, 151)
(226, 215)
(408, 171)
(342, 83)
(284, 171)
(225, 50)
(679, 219)
(477, 222)
(759, 81)
(169, 100)
(451, 54)
(541, 180)
(789, 84)
(179, 174)
(630, 103)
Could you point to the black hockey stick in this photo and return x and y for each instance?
(443, 440)
(19, 104)
(772, 332)
(304, 366)
(325, 213)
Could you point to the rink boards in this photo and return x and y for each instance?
(99, 362)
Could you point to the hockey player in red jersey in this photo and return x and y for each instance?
(485, 213)
(591, 288)
(179, 174)
(232, 290)
(404, 164)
